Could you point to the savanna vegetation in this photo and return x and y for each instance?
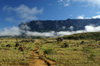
(87, 36)
(83, 51)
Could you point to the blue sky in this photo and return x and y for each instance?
(13, 12)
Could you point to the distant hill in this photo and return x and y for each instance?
(59, 25)
(88, 35)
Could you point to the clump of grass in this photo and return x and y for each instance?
(89, 53)
(47, 51)
(9, 57)
(2, 45)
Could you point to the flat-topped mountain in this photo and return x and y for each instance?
(59, 25)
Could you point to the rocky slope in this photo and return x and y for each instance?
(58, 25)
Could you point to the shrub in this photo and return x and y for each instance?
(17, 44)
(2, 45)
(90, 54)
(64, 45)
(39, 37)
(49, 51)
(59, 39)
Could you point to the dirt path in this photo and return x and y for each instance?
(36, 61)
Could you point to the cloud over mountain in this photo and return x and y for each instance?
(16, 31)
(80, 17)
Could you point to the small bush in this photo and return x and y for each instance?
(64, 45)
(49, 51)
(2, 45)
(39, 37)
(17, 44)
(21, 49)
(59, 39)
(40, 57)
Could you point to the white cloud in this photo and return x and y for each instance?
(50, 4)
(24, 12)
(98, 12)
(70, 15)
(16, 31)
(52, 33)
(60, 0)
(64, 2)
(63, 27)
(71, 27)
(27, 13)
(10, 31)
(10, 19)
(87, 18)
(91, 28)
(80, 17)
(88, 28)
(98, 16)
(8, 8)
(24, 27)
(90, 2)
(93, 17)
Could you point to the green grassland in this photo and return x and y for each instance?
(88, 36)
(76, 54)
(11, 56)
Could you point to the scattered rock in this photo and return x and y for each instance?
(49, 42)
(8, 45)
(0, 42)
(33, 40)
(59, 39)
(65, 45)
(25, 40)
(75, 49)
(21, 49)
(82, 42)
(17, 44)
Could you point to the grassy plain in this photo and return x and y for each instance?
(76, 54)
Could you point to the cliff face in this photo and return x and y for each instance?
(59, 25)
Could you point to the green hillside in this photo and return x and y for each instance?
(88, 35)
